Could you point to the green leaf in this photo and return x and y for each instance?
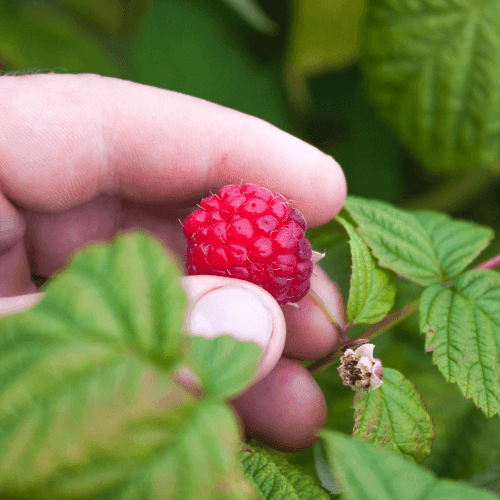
(324, 471)
(198, 48)
(89, 405)
(489, 480)
(365, 471)
(462, 327)
(324, 36)
(432, 68)
(456, 242)
(423, 246)
(276, 479)
(55, 42)
(223, 364)
(394, 416)
(371, 294)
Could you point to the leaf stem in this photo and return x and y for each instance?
(369, 333)
(490, 263)
(377, 328)
(338, 323)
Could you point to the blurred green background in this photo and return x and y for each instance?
(296, 65)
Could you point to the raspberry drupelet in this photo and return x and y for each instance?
(250, 233)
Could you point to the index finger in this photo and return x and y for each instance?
(66, 139)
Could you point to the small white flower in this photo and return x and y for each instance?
(360, 370)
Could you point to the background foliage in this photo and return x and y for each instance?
(305, 67)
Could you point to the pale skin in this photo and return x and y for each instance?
(83, 157)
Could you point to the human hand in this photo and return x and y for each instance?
(83, 157)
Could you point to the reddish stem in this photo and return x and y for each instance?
(490, 263)
(382, 325)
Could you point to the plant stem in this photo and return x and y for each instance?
(369, 333)
(340, 322)
(490, 263)
(379, 327)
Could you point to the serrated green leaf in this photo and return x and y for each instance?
(365, 471)
(456, 242)
(371, 294)
(394, 417)
(432, 68)
(89, 406)
(223, 364)
(276, 479)
(423, 246)
(462, 327)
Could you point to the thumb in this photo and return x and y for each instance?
(19, 303)
(221, 306)
(216, 306)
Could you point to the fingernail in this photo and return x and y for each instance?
(231, 310)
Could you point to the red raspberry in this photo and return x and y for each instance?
(250, 233)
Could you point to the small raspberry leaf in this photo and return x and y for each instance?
(423, 246)
(372, 291)
(427, 72)
(276, 479)
(89, 403)
(461, 324)
(225, 366)
(366, 471)
(394, 417)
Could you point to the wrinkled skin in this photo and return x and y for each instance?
(83, 157)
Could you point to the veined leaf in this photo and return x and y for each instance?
(276, 479)
(371, 294)
(223, 364)
(365, 471)
(433, 69)
(424, 246)
(462, 328)
(89, 406)
(456, 242)
(395, 417)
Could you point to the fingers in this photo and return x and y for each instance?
(90, 135)
(216, 306)
(219, 306)
(20, 303)
(284, 410)
(310, 332)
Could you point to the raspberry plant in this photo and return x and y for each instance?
(90, 406)
(67, 362)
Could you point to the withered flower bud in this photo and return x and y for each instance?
(360, 370)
